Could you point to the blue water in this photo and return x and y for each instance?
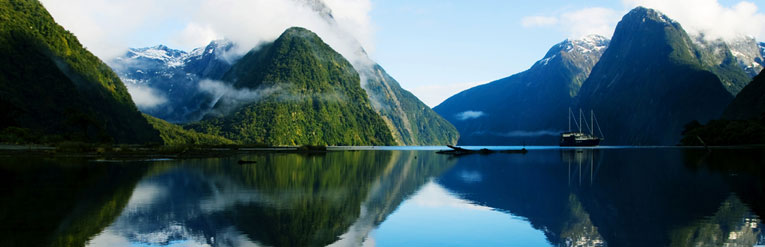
(392, 196)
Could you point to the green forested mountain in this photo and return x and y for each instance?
(411, 121)
(52, 89)
(650, 82)
(529, 107)
(308, 94)
(172, 134)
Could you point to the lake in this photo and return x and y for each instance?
(393, 197)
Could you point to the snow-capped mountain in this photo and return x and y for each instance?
(525, 107)
(168, 79)
(749, 55)
(747, 52)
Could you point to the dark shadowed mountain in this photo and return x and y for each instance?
(750, 103)
(650, 82)
(52, 89)
(529, 107)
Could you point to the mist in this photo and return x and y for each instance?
(224, 98)
(145, 97)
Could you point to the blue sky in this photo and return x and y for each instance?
(433, 48)
(437, 48)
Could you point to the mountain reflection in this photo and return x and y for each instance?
(590, 197)
(283, 200)
(620, 197)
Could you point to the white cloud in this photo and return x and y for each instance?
(578, 23)
(710, 17)
(583, 22)
(145, 97)
(538, 21)
(466, 115)
(109, 27)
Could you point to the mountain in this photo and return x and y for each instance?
(750, 103)
(52, 89)
(735, 63)
(528, 107)
(749, 54)
(650, 82)
(411, 121)
(173, 76)
(179, 78)
(303, 92)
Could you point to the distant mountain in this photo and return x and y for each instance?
(529, 107)
(651, 81)
(174, 76)
(303, 92)
(735, 63)
(750, 103)
(52, 89)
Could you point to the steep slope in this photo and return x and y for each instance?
(173, 77)
(308, 94)
(750, 103)
(52, 89)
(529, 107)
(650, 82)
(411, 121)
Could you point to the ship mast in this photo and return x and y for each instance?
(580, 120)
(592, 122)
(569, 119)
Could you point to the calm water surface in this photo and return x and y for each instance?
(548, 197)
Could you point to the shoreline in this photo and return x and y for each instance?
(139, 152)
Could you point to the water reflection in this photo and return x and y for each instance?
(623, 197)
(616, 197)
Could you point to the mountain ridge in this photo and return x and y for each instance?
(525, 108)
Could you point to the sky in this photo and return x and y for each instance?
(434, 48)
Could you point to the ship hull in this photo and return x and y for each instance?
(578, 139)
(580, 143)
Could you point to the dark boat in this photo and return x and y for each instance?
(457, 151)
(581, 139)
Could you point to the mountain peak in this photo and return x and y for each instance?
(590, 45)
(646, 14)
(298, 32)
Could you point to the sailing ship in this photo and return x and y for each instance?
(581, 139)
